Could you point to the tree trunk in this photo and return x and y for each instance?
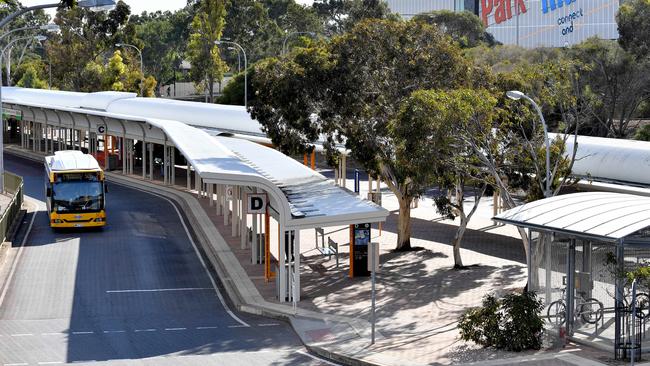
(458, 238)
(211, 89)
(404, 225)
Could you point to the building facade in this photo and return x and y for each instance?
(530, 23)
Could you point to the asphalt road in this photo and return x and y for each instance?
(134, 293)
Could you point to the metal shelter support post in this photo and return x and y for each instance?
(282, 261)
(620, 308)
(295, 294)
(548, 245)
(151, 161)
(570, 286)
(529, 260)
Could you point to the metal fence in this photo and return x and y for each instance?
(14, 187)
(593, 268)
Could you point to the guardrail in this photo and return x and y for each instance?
(14, 187)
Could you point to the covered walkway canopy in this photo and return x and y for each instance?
(298, 197)
(610, 233)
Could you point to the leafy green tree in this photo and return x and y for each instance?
(30, 79)
(618, 82)
(341, 16)
(203, 53)
(250, 25)
(464, 27)
(642, 133)
(293, 17)
(440, 118)
(84, 36)
(233, 92)
(164, 37)
(114, 75)
(149, 88)
(350, 89)
(634, 27)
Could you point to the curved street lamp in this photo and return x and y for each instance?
(517, 95)
(245, 67)
(141, 63)
(93, 5)
(284, 42)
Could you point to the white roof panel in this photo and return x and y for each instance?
(227, 118)
(71, 160)
(610, 216)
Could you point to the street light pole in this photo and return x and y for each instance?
(245, 67)
(93, 5)
(516, 95)
(284, 42)
(238, 58)
(141, 64)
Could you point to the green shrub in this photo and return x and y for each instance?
(512, 323)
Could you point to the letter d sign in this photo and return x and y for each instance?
(256, 203)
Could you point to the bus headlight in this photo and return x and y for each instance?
(57, 221)
(99, 219)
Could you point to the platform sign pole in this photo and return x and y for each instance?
(373, 267)
(357, 182)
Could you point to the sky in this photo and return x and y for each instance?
(138, 6)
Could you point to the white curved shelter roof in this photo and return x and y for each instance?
(611, 160)
(302, 197)
(604, 216)
(226, 118)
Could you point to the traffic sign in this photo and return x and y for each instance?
(101, 129)
(229, 193)
(256, 203)
(373, 257)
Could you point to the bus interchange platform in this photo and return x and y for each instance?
(226, 168)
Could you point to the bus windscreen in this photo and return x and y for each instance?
(77, 192)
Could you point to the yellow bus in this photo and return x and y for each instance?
(75, 190)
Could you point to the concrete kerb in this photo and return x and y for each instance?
(238, 286)
(7, 252)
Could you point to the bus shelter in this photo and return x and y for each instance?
(584, 251)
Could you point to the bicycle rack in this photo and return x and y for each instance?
(625, 342)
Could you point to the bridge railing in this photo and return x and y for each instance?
(13, 187)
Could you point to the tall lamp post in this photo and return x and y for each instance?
(4, 53)
(141, 63)
(245, 67)
(93, 5)
(46, 27)
(284, 42)
(517, 95)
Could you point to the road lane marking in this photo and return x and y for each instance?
(52, 334)
(20, 252)
(202, 328)
(159, 290)
(198, 254)
(174, 329)
(22, 335)
(268, 325)
(15, 364)
(317, 358)
(145, 330)
(238, 326)
(50, 363)
(88, 332)
(114, 331)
